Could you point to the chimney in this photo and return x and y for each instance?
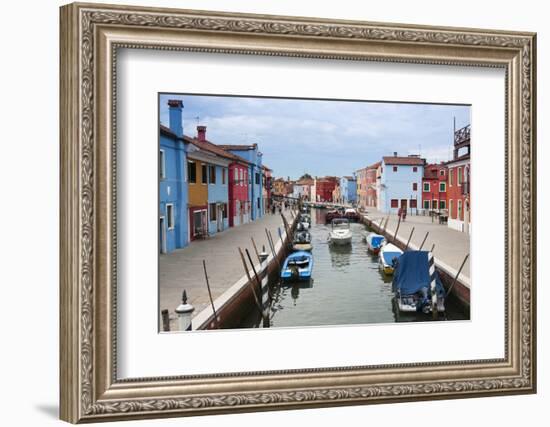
(176, 120)
(395, 154)
(201, 133)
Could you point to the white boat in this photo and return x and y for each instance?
(375, 242)
(387, 256)
(341, 232)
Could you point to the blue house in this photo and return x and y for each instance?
(255, 176)
(215, 161)
(401, 183)
(173, 196)
(348, 188)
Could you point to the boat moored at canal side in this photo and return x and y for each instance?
(297, 266)
(341, 232)
(416, 284)
(352, 215)
(302, 241)
(387, 257)
(374, 242)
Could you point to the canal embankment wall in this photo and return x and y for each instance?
(236, 303)
(461, 288)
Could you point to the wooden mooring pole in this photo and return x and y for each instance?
(423, 241)
(410, 236)
(210, 293)
(250, 283)
(256, 249)
(397, 229)
(458, 273)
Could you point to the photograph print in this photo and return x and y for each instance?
(283, 212)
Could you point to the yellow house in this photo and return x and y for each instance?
(197, 181)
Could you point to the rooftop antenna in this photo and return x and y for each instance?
(197, 118)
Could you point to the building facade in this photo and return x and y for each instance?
(302, 189)
(434, 188)
(324, 187)
(400, 183)
(239, 205)
(371, 191)
(361, 183)
(459, 184)
(267, 188)
(348, 189)
(173, 194)
(255, 176)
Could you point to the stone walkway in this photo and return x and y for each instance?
(183, 268)
(451, 246)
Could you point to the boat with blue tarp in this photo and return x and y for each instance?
(374, 242)
(416, 283)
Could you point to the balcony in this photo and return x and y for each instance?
(462, 135)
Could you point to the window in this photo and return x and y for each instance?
(212, 211)
(395, 168)
(459, 214)
(212, 173)
(162, 165)
(442, 172)
(450, 177)
(442, 187)
(236, 175)
(426, 204)
(442, 204)
(451, 205)
(394, 203)
(412, 203)
(223, 176)
(415, 186)
(434, 204)
(258, 202)
(170, 216)
(204, 177)
(415, 168)
(459, 176)
(192, 172)
(426, 187)
(257, 178)
(224, 207)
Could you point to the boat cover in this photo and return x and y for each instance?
(389, 256)
(376, 241)
(412, 274)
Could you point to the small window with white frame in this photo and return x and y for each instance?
(442, 187)
(162, 165)
(170, 216)
(426, 187)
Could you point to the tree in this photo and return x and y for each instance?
(305, 176)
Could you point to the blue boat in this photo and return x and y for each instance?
(375, 242)
(416, 283)
(297, 266)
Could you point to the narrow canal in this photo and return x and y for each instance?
(347, 287)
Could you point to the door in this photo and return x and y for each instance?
(162, 236)
(238, 218)
(404, 204)
(219, 216)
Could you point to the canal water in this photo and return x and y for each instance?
(347, 288)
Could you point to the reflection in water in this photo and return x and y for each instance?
(349, 287)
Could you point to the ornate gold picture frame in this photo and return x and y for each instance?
(91, 35)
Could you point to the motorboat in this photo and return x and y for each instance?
(352, 215)
(374, 242)
(388, 256)
(417, 285)
(341, 232)
(302, 226)
(297, 266)
(333, 214)
(302, 241)
(305, 218)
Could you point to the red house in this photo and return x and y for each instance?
(434, 187)
(324, 188)
(239, 205)
(458, 192)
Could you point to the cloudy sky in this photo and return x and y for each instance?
(322, 137)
